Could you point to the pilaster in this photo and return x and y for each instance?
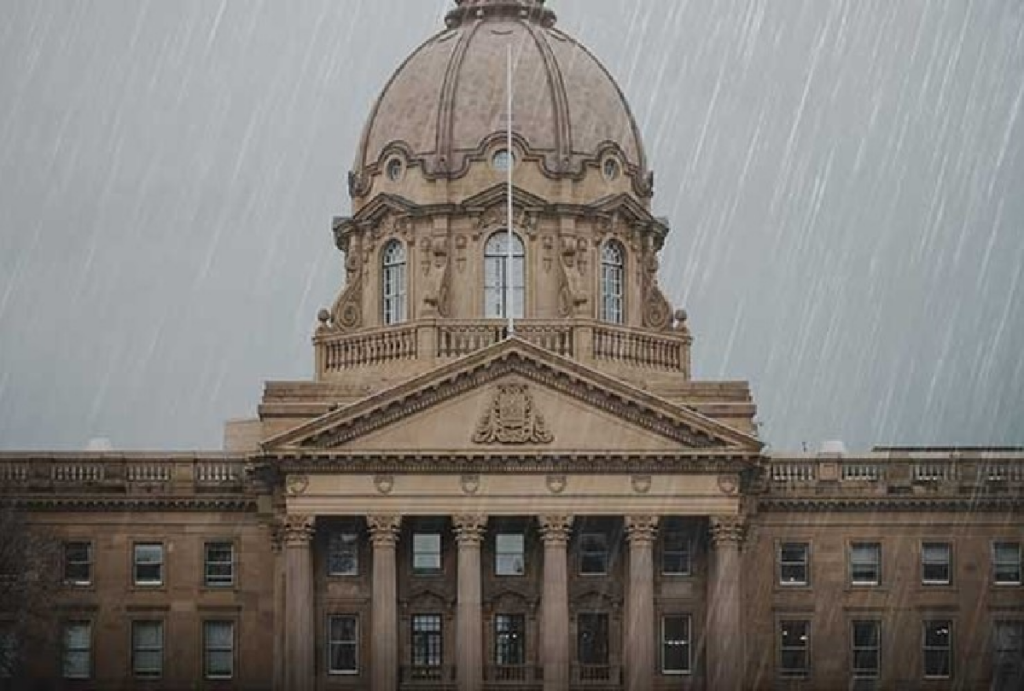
(640, 647)
(725, 651)
(297, 534)
(384, 609)
(469, 634)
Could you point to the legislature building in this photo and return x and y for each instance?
(454, 503)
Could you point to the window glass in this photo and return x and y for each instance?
(793, 563)
(8, 650)
(612, 286)
(866, 639)
(509, 554)
(592, 638)
(343, 553)
(865, 563)
(426, 552)
(938, 636)
(426, 645)
(1006, 563)
(675, 552)
(593, 553)
(393, 276)
(220, 564)
(794, 646)
(78, 563)
(344, 644)
(935, 562)
(77, 650)
(510, 639)
(149, 564)
(219, 643)
(147, 648)
(496, 280)
(675, 644)
(1008, 656)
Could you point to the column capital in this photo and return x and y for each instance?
(728, 531)
(469, 529)
(641, 530)
(555, 529)
(297, 530)
(384, 529)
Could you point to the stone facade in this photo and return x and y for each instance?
(451, 505)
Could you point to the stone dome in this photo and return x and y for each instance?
(445, 106)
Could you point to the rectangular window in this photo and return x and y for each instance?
(675, 553)
(77, 650)
(219, 649)
(149, 563)
(510, 639)
(426, 553)
(343, 553)
(1006, 563)
(426, 646)
(865, 563)
(1008, 656)
(509, 554)
(866, 640)
(938, 648)
(220, 564)
(78, 563)
(794, 563)
(593, 554)
(592, 638)
(935, 563)
(794, 648)
(147, 649)
(675, 644)
(8, 650)
(343, 644)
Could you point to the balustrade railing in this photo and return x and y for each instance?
(596, 675)
(114, 473)
(935, 471)
(512, 674)
(853, 471)
(373, 348)
(639, 349)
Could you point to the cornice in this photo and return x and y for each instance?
(972, 503)
(90, 504)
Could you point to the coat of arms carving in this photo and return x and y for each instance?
(512, 418)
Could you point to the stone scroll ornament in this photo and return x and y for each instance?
(512, 418)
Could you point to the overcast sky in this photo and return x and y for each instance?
(844, 180)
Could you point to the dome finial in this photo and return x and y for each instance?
(482, 9)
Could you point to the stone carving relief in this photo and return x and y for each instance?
(512, 418)
(470, 484)
(384, 483)
(298, 529)
(297, 484)
(641, 483)
(347, 312)
(657, 312)
(384, 529)
(728, 530)
(556, 483)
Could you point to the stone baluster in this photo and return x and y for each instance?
(299, 632)
(384, 609)
(725, 650)
(554, 639)
(640, 648)
(469, 634)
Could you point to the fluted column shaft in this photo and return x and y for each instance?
(299, 633)
(469, 632)
(725, 651)
(554, 638)
(640, 648)
(384, 609)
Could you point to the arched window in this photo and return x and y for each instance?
(496, 276)
(612, 289)
(393, 286)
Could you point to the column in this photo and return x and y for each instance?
(299, 666)
(725, 654)
(640, 654)
(384, 609)
(554, 637)
(469, 632)
(280, 603)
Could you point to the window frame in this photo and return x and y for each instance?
(499, 553)
(997, 563)
(158, 671)
(332, 642)
(925, 648)
(10, 650)
(219, 581)
(804, 649)
(505, 639)
(584, 554)
(496, 256)
(68, 563)
(394, 283)
(861, 672)
(428, 571)
(604, 647)
(686, 643)
(431, 659)
(68, 650)
(998, 651)
(859, 583)
(343, 541)
(136, 564)
(685, 550)
(783, 563)
(613, 273)
(209, 649)
(947, 563)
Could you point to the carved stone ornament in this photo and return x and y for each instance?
(727, 531)
(298, 530)
(384, 483)
(469, 529)
(728, 484)
(555, 529)
(512, 418)
(384, 529)
(470, 484)
(297, 484)
(641, 484)
(641, 529)
(556, 483)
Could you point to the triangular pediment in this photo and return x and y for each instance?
(498, 194)
(514, 397)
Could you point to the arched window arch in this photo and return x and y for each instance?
(496, 279)
(613, 272)
(393, 287)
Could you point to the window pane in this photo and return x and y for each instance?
(1006, 567)
(343, 554)
(937, 648)
(147, 648)
(149, 563)
(676, 644)
(794, 643)
(77, 650)
(509, 554)
(793, 559)
(510, 639)
(426, 552)
(865, 563)
(592, 639)
(675, 557)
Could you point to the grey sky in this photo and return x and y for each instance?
(844, 179)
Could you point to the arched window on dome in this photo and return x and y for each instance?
(613, 271)
(496, 279)
(393, 288)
